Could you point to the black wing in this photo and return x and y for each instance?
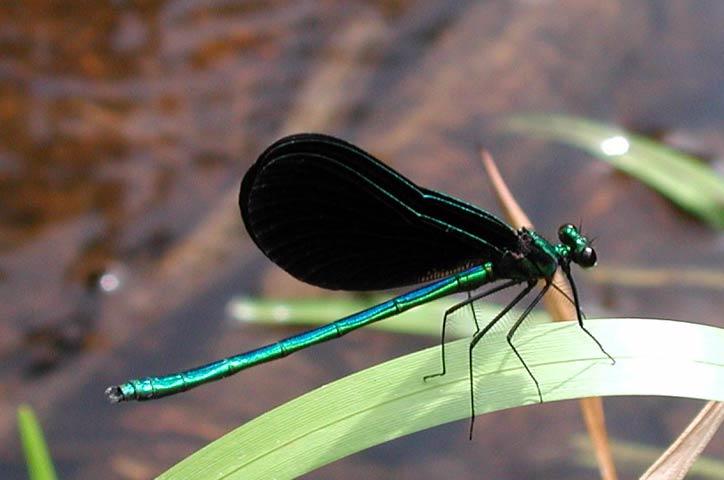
(333, 216)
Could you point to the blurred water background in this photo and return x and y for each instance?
(125, 128)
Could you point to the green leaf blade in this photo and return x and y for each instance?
(654, 357)
(681, 178)
(37, 457)
(423, 320)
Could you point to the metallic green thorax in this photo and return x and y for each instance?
(543, 254)
(538, 258)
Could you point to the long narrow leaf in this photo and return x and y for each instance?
(681, 178)
(654, 357)
(423, 320)
(37, 457)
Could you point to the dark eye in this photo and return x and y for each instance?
(587, 258)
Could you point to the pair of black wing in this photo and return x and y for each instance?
(333, 216)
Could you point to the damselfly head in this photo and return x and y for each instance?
(581, 253)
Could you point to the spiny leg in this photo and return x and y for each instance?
(479, 336)
(579, 314)
(517, 324)
(469, 301)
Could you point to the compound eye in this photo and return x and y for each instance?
(587, 258)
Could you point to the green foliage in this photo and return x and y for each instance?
(654, 357)
(681, 178)
(422, 320)
(40, 466)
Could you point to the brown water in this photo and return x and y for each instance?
(124, 132)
